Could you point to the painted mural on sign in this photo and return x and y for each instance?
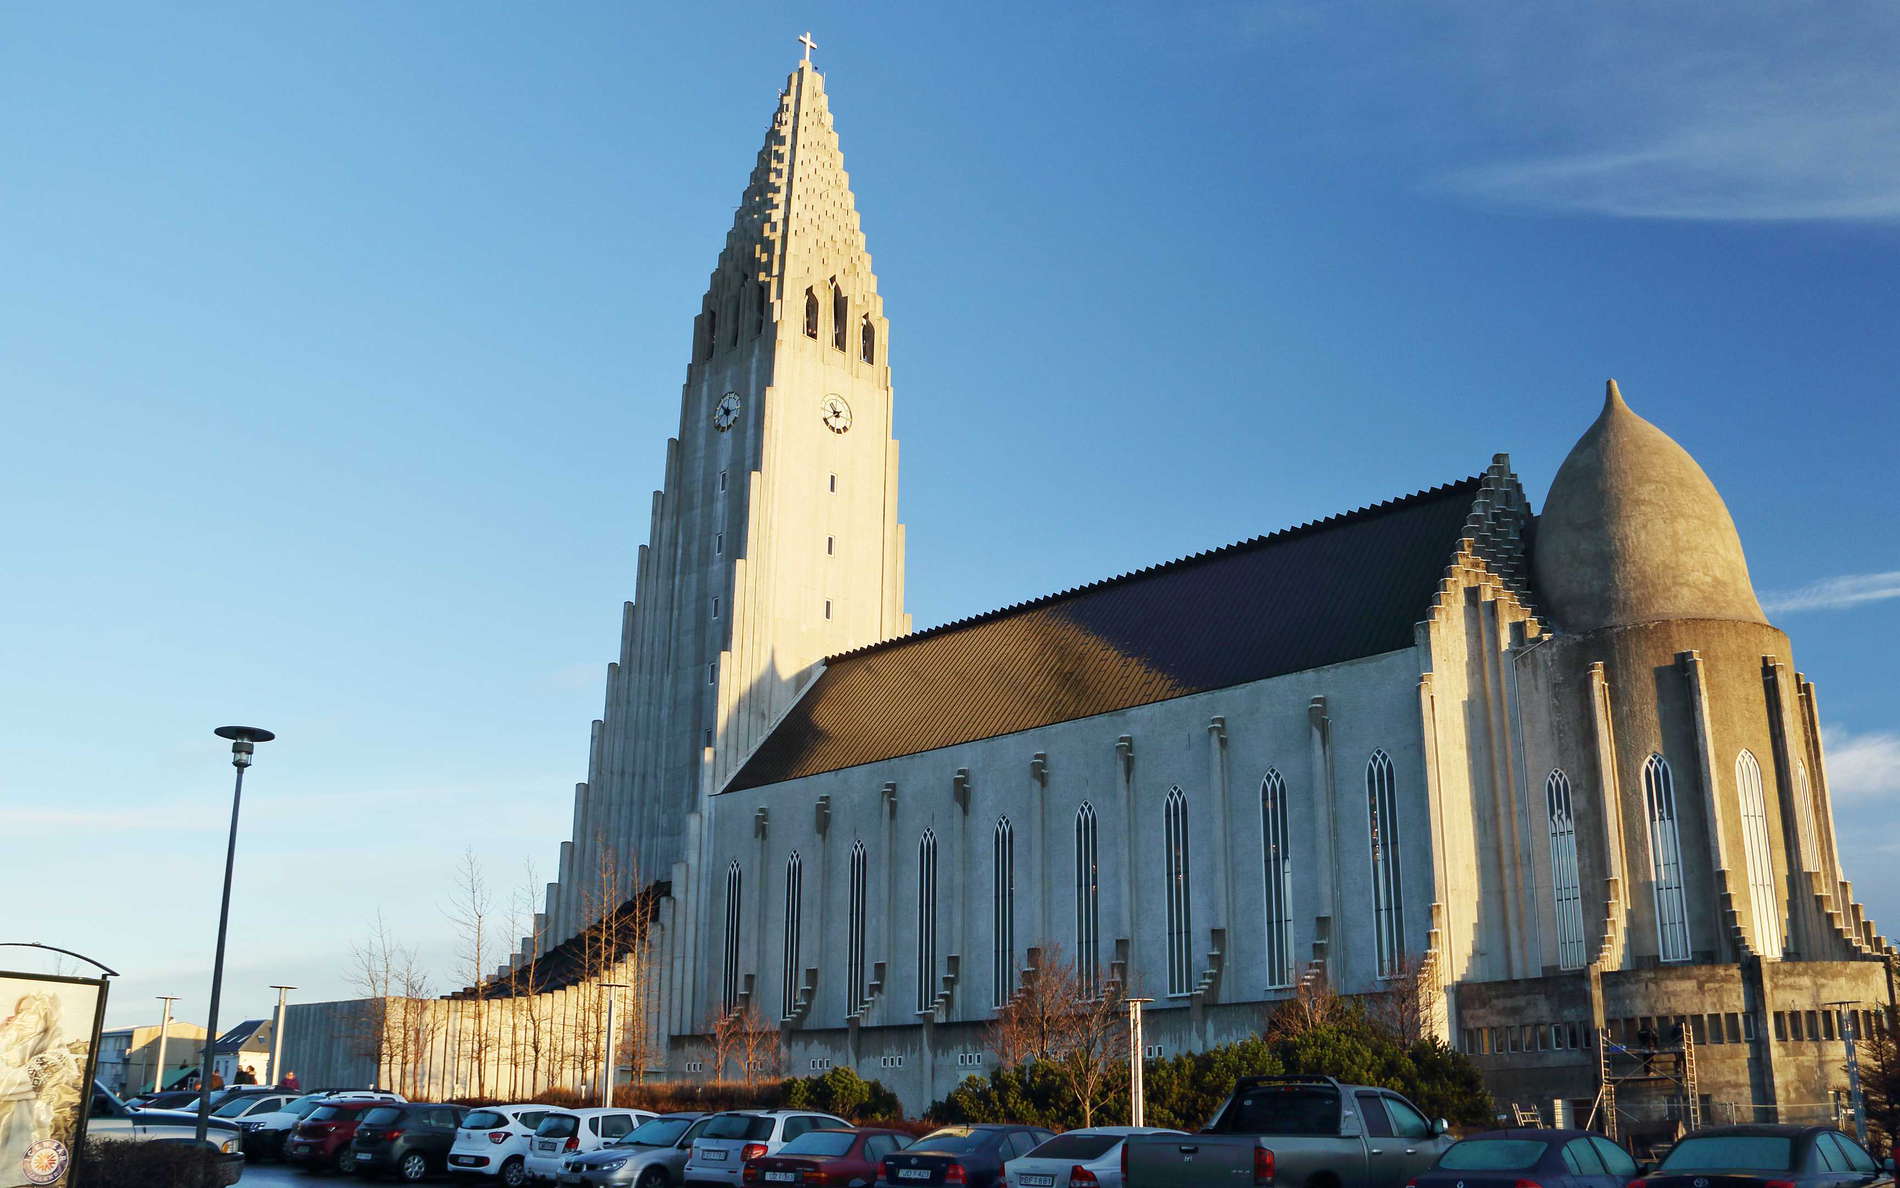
(48, 1026)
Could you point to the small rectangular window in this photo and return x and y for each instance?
(722, 480)
(830, 545)
(709, 738)
(719, 544)
(834, 482)
(1781, 1027)
(712, 673)
(827, 608)
(715, 608)
(1748, 1028)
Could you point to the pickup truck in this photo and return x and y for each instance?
(1293, 1132)
(110, 1120)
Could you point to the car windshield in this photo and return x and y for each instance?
(1731, 1152)
(232, 1109)
(557, 1126)
(1077, 1146)
(737, 1126)
(1493, 1155)
(820, 1142)
(655, 1132)
(1281, 1109)
(955, 1139)
(380, 1116)
(484, 1120)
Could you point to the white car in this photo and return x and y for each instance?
(493, 1141)
(266, 1130)
(1090, 1158)
(563, 1134)
(721, 1150)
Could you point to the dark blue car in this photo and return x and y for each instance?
(1531, 1158)
(1768, 1157)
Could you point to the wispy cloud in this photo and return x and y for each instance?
(1861, 766)
(1834, 593)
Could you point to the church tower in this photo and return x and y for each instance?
(775, 541)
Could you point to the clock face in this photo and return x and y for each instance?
(726, 412)
(836, 412)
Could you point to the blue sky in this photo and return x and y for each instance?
(339, 344)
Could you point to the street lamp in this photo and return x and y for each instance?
(164, 1028)
(276, 1073)
(242, 738)
(607, 1074)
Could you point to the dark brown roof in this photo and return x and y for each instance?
(1340, 588)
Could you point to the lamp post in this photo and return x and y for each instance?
(1137, 1091)
(276, 1070)
(242, 740)
(607, 1070)
(164, 1029)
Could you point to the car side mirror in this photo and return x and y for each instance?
(1886, 1164)
(1440, 1126)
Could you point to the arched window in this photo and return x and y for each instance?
(1566, 886)
(1388, 898)
(794, 901)
(927, 921)
(867, 340)
(762, 298)
(1279, 879)
(811, 314)
(1004, 934)
(1805, 819)
(729, 982)
(840, 317)
(855, 946)
(712, 332)
(1764, 900)
(1180, 894)
(1665, 849)
(1088, 920)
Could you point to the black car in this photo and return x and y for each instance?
(960, 1155)
(1784, 1156)
(410, 1139)
(1547, 1158)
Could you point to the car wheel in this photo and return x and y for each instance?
(514, 1173)
(343, 1164)
(652, 1177)
(411, 1168)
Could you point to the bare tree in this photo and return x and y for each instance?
(1057, 1020)
(1406, 1006)
(470, 912)
(372, 975)
(1313, 1006)
(527, 1021)
(758, 1046)
(722, 1031)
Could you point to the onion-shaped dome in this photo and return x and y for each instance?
(1634, 532)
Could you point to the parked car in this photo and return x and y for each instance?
(1783, 1156)
(1294, 1130)
(971, 1155)
(720, 1152)
(563, 1134)
(265, 1133)
(845, 1158)
(653, 1155)
(171, 1099)
(493, 1141)
(408, 1139)
(111, 1120)
(1550, 1158)
(322, 1139)
(1077, 1159)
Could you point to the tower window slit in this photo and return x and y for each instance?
(840, 317)
(859, 912)
(927, 921)
(1565, 882)
(1279, 880)
(830, 545)
(1088, 923)
(729, 983)
(1763, 896)
(827, 608)
(1388, 899)
(811, 314)
(794, 903)
(1665, 846)
(867, 341)
(1004, 902)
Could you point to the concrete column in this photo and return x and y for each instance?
(1131, 909)
(1613, 941)
(1223, 834)
(1720, 879)
(1325, 830)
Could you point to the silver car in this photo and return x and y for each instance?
(731, 1138)
(652, 1156)
(1091, 1156)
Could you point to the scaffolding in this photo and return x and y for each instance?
(1651, 1062)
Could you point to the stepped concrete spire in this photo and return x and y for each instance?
(1634, 532)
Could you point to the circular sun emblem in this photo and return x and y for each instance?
(44, 1161)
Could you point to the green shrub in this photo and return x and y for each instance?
(116, 1163)
(843, 1092)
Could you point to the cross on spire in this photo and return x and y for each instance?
(810, 45)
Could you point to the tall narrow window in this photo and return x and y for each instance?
(729, 981)
(712, 332)
(867, 340)
(927, 921)
(1279, 879)
(860, 908)
(1804, 809)
(840, 317)
(1665, 848)
(763, 297)
(794, 902)
(1004, 933)
(1180, 894)
(1388, 898)
(1566, 886)
(1764, 900)
(1088, 919)
(811, 314)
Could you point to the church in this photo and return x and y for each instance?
(1554, 765)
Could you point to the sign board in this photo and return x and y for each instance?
(49, 1035)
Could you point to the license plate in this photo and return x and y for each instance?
(782, 1177)
(713, 1156)
(544, 1146)
(465, 1161)
(364, 1156)
(1032, 1181)
(914, 1173)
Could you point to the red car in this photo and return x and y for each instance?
(322, 1139)
(827, 1158)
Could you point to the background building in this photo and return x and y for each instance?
(128, 1056)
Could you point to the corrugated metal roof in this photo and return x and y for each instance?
(1348, 586)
